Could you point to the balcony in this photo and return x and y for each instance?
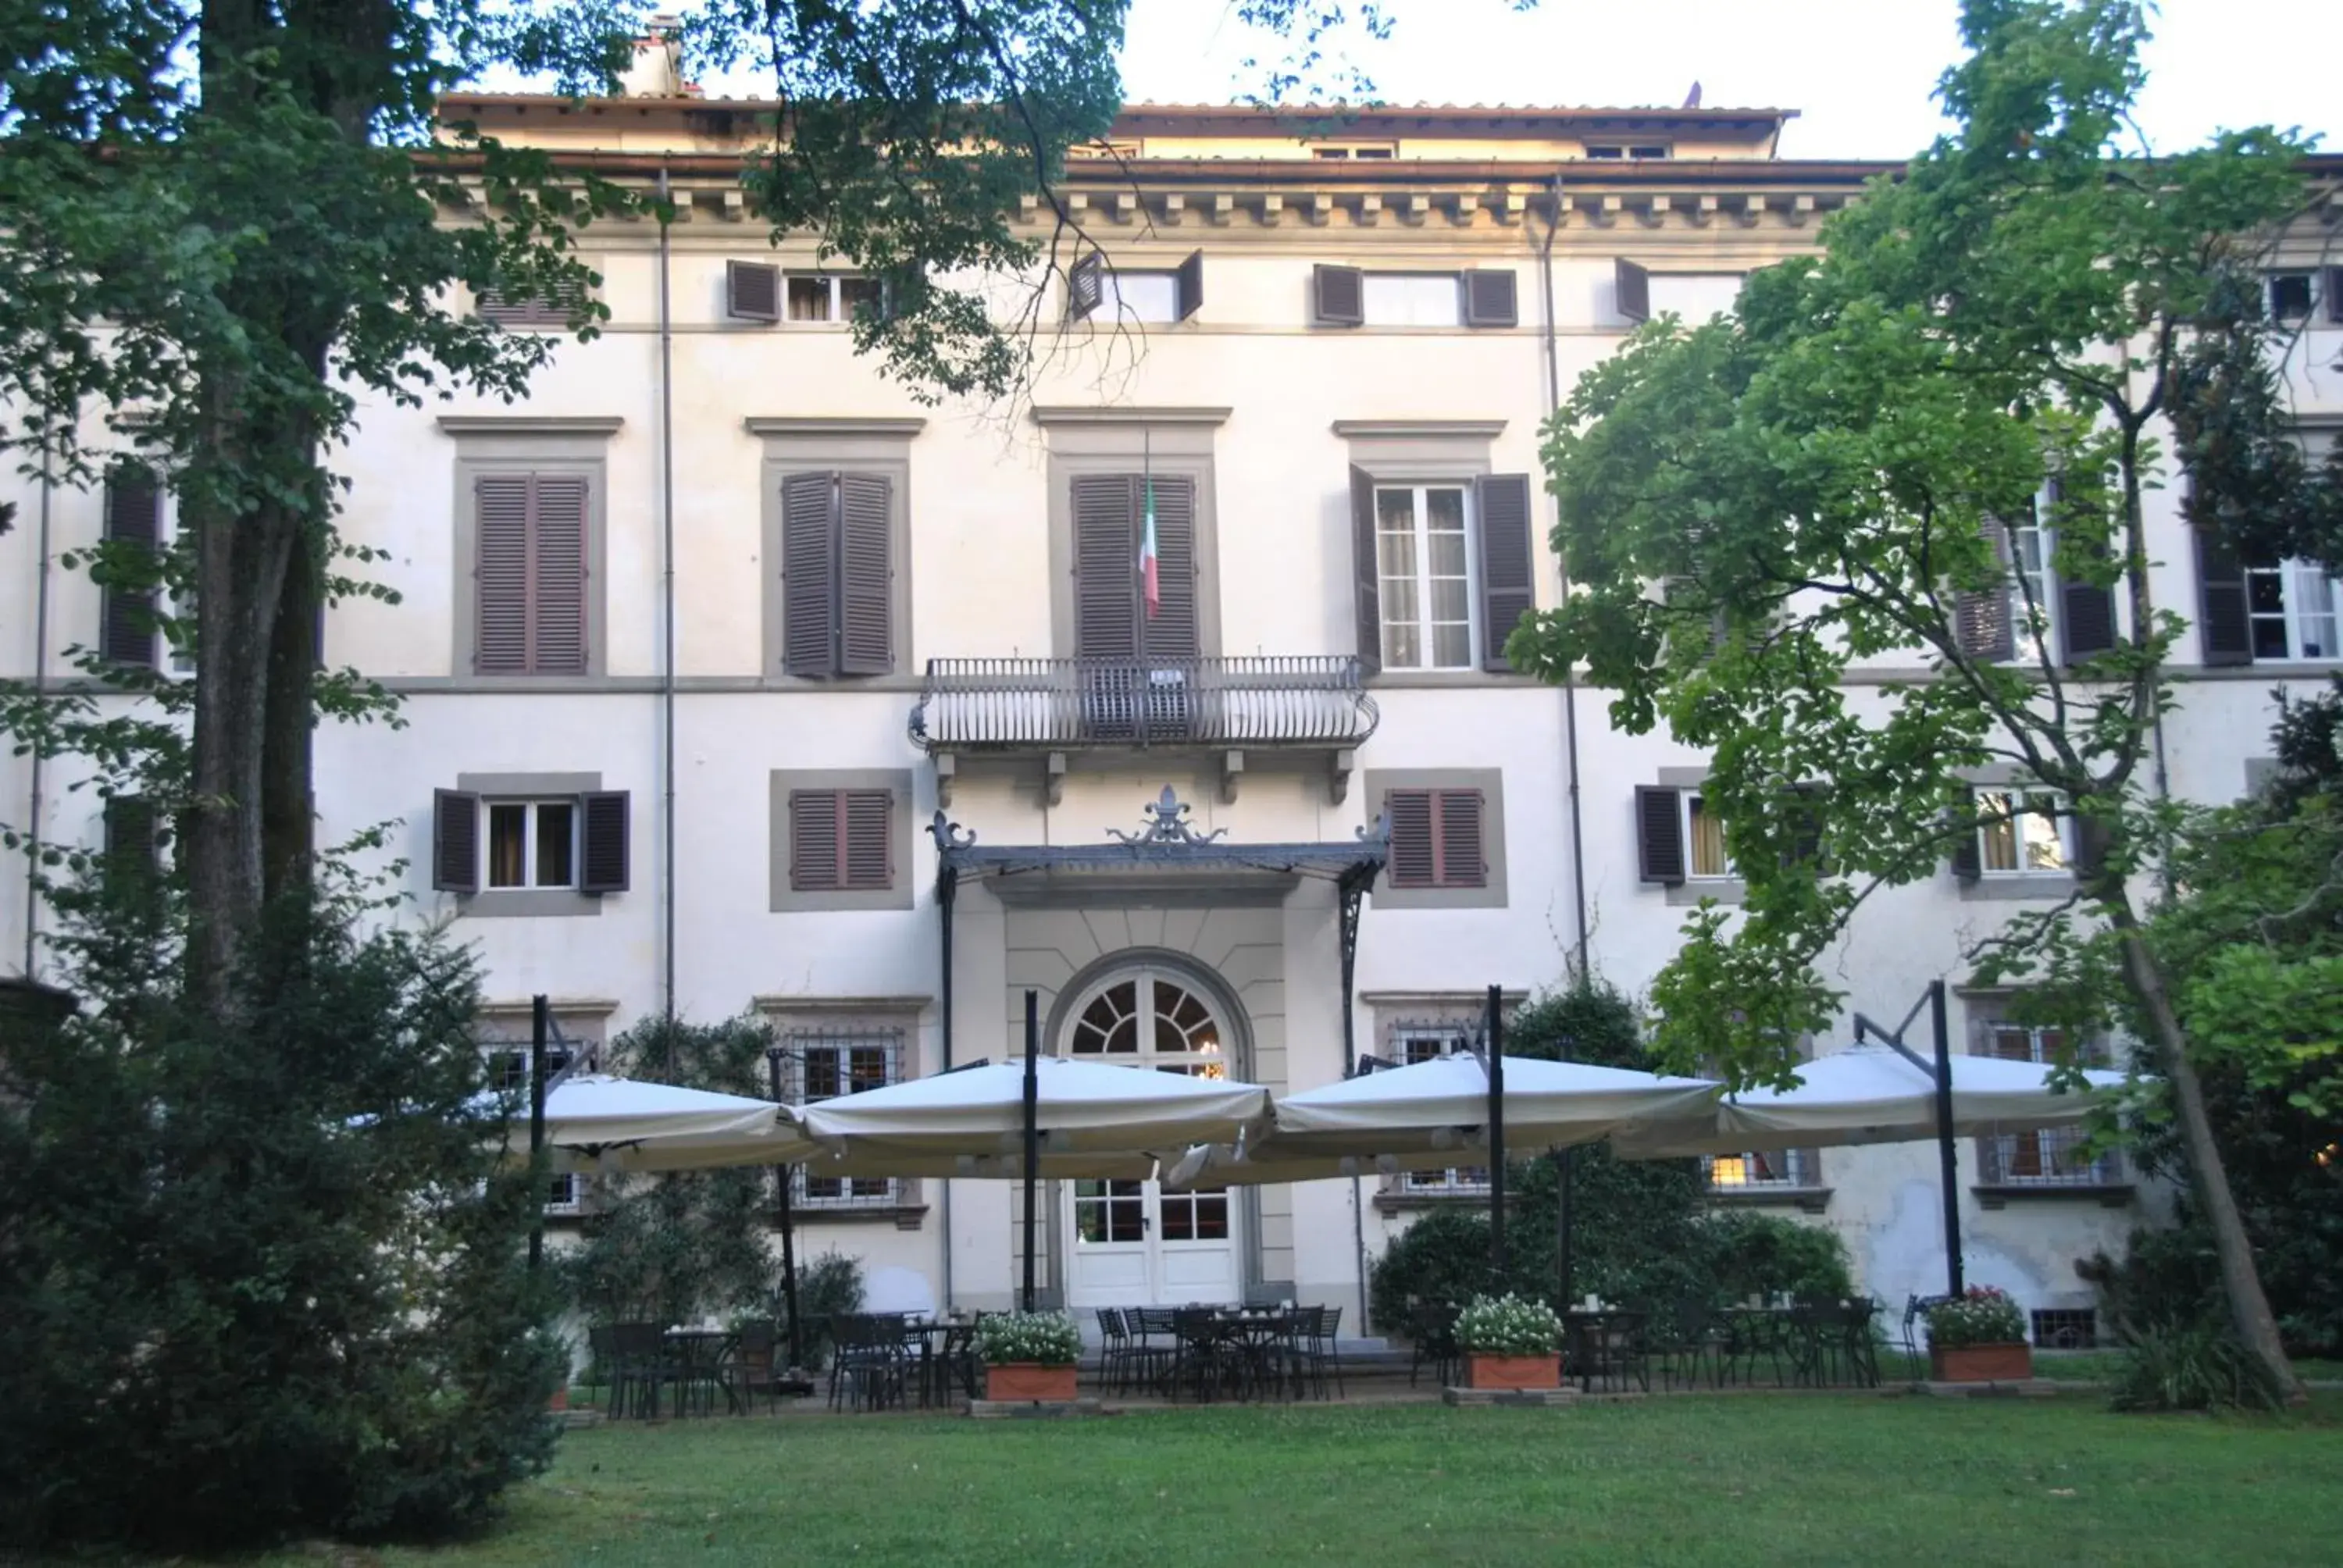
(1047, 708)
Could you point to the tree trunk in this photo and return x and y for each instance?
(2241, 1282)
(288, 793)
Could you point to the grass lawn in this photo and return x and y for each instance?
(1746, 1480)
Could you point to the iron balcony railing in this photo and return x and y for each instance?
(1040, 704)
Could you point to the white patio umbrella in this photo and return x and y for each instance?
(1092, 1118)
(597, 1122)
(1872, 1094)
(1432, 1114)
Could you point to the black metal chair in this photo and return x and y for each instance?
(1608, 1347)
(1114, 1350)
(641, 1369)
(1317, 1332)
(1432, 1341)
(1689, 1337)
(1916, 1313)
(749, 1369)
(1154, 1347)
(866, 1360)
(601, 1360)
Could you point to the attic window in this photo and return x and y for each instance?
(1350, 150)
(1117, 151)
(1627, 150)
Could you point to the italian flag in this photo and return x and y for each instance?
(1150, 584)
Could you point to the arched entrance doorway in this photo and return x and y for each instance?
(1128, 1244)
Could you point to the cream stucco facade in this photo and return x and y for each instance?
(1265, 411)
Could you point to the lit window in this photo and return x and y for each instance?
(531, 844)
(2044, 1156)
(1704, 853)
(1761, 1170)
(2292, 605)
(1424, 574)
(2026, 834)
(828, 295)
(1412, 299)
(1605, 150)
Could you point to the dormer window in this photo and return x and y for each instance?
(1625, 150)
(1354, 150)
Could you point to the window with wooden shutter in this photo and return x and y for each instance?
(838, 575)
(1189, 285)
(2224, 622)
(866, 575)
(604, 818)
(1490, 297)
(531, 574)
(809, 573)
(1437, 839)
(842, 840)
(1170, 632)
(2331, 285)
(752, 291)
(1106, 567)
(1508, 566)
(1338, 295)
(455, 841)
(134, 527)
(1631, 286)
(1366, 571)
(1408, 817)
(133, 842)
(1982, 624)
(531, 310)
(1659, 834)
(1085, 287)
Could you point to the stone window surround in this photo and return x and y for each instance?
(897, 782)
(2010, 886)
(490, 903)
(796, 1014)
(1491, 782)
(818, 445)
(1982, 1005)
(1391, 1010)
(1693, 889)
(1173, 442)
(584, 1022)
(536, 444)
(1431, 452)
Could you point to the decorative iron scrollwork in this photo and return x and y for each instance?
(949, 834)
(1166, 824)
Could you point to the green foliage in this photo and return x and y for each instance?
(264, 1277)
(675, 1249)
(1508, 1325)
(831, 1286)
(1980, 1315)
(1754, 1254)
(2190, 1365)
(1051, 1338)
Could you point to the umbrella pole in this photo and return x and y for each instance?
(1032, 1129)
(1947, 1154)
(1495, 1035)
(539, 1014)
(783, 1176)
(1564, 1163)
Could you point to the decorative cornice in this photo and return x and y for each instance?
(818, 1004)
(594, 1005)
(839, 425)
(1130, 416)
(1419, 429)
(530, 424)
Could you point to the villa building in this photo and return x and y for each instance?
(698, 646)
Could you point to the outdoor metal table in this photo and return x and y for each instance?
(699, 1357)
(1605, 1343)
(1241, 1350)
(943, 1346)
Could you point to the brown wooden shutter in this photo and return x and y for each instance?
(1490, 297)
(558, 573)
(1457, 843)
(2225, 630)
(1187, 286)
(132, 841)
(500, 636)
(1106, 567)
(808, 575)
(1508, 580)
(456, 840)
(134, 521)
(1366, 567)
(1981, 619)
(2085, 611)
(603, 816)
(866, 575)
(1339, 296)
(530, 310)
(1085, 287)
(1806, 826)
(1969, 859)
(1414, 863)
(1633, 286)
(1170, 632)
(752, 291)
(866, 851)
(1659, 834)
(815, 864)
(2333, 285)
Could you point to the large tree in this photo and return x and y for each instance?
(1754, 506)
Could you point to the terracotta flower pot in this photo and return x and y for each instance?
(1981, 1363)
(1013, 1381)
(560, 1399)
(1511, 1371)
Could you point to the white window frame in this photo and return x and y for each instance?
(2311, 292)
(1688, 801)
(837, 312)
(2297, 580)
(1380, 294)
(1442, 1039)
(1425, 624)
(1372, 152)
(2033, 626)
(2052, 1144)
(531, 805)
(840, 1041)
(1158, 300)
(2044, 820)
(509, 1065)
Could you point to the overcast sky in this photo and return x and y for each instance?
(1860, 72)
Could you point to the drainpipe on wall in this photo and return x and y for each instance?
(666, 620)
(40, 688)
(1569, 677)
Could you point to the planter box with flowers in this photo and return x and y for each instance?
(1978, 1337)
(1510, 1343)
(1028, 1357)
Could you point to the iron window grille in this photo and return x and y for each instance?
(824, 1064)
(508, 1074)
(1428, 1041)
(2044, 1157)
(2066, 1328)
(1761, 1170)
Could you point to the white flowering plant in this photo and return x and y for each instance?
(1982, 1315)
(1050, 1339)
(1508, 1325)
